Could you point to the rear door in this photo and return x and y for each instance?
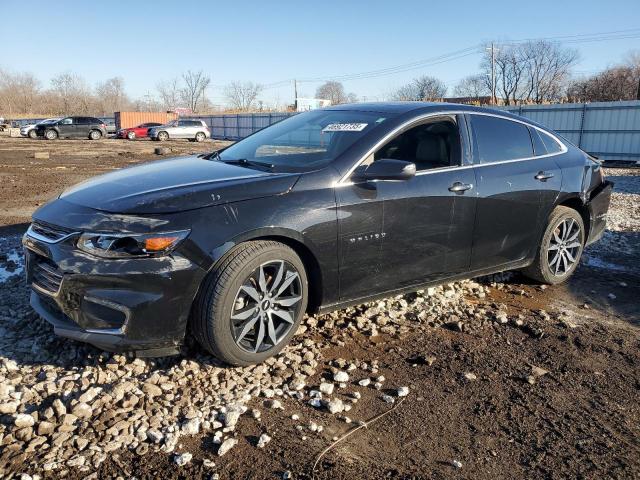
(511, 183)
(186, 130)
(83, 125)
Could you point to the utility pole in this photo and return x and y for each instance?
(295, 95)
(493, 74)
(638, 94)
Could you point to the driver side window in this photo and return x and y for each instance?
(432, 144)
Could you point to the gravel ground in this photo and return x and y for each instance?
(493, 378)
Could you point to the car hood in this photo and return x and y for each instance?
(176, 185)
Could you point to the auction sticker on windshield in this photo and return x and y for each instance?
(345, 127)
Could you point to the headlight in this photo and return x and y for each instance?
(126, 246)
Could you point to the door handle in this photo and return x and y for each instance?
(543, 176)
(459, 187)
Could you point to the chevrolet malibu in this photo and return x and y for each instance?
(326, 209)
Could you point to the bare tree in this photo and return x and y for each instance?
(421, 89)
(473, 86)
(242, 95)
(533, 71)
(111, 96)
(547, 70)
(334, 91)
(71, 94)
(19, 92)
(621, 82)
(169, 92)
(193, 92)
(509, 70)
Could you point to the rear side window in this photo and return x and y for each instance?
(538, 145)
(497, 139)
(550, 143)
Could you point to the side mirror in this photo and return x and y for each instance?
(386, 169)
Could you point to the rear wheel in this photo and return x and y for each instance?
(50, 134)
(163, 136)
(251, 305)
(131, 135)
(95, 134)
(561, 248)
(32, 133)
(200, 137)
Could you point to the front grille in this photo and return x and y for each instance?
(46, 276)
(49, 232)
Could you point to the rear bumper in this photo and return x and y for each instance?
(598, 207)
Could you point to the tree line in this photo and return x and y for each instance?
(68, 93)
(525, 72)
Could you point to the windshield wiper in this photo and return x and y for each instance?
(246, 162)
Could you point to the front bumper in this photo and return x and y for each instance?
(139, 305)
(598, 207)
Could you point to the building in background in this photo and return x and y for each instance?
(305, 104)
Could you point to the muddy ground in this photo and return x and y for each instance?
(506, 379)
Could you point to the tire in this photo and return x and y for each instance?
(564, 234)
(163, 136)
(240, 341)
(50, 134)
(32, 134)
(200, 137)
(95, 134)
(131, 135)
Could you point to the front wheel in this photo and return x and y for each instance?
(131, 135)
(200, 137)
(33, 134)
(163, 136)
(95, 134)
(561, 248)
(252, 304)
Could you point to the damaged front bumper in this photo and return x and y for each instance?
(139, 304)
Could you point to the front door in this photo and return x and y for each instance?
(396, 234)
(67, 127)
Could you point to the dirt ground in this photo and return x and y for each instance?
(517, 381)
(27, 182)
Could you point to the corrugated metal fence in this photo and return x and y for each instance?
(609, 130)
(237, 126)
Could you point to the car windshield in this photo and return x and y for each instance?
(305, 141)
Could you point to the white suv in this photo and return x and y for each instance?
(194, 130)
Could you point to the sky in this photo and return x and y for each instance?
(273, 42)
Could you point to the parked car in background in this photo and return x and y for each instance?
(325, 209)
(111, 125)
(29, 130)
(73, 127)
(194, 130)
(141, 131)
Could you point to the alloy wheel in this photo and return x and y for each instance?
(564, 247)
(266, 306)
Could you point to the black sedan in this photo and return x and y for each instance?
(325, 209)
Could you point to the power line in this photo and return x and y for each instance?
(465, 52)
